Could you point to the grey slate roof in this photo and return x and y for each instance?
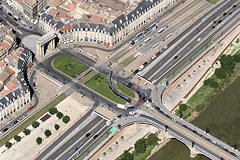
(59, 25)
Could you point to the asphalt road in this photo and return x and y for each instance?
(186, 40)
(95, 124)
(187, 52)
(86, 142)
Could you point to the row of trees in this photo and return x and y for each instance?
(140, 146)
(228, 64)
(54, 110)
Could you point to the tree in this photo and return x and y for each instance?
(236, 58)
(53, 110)
(140, 146)
(228, 63)
(66, 119)
(211, 82)
(39, 140)
(35, 124)
(26, 131)
(59, 115)
(183, 107)
(220, 73)
(8, 144)
(126, 156)
(47, 133)
(152, 139)
(56, 126)
(17, 138)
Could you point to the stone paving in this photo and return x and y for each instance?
(74, 106)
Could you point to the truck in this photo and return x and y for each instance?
(121, 106)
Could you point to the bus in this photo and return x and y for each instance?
(29, 108)
(138, 37)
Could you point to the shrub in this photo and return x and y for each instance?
(152, 139)
(17, 138)
(183, 107)
(126, 156)
(39, 140)
(140, 146)
(56, 126)
(35, 124)
(53, 110)
(66, 119)
(8, 144)
(59, 115)
(211, 82)
(47, 133)
(26, 131)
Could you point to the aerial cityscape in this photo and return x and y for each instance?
(119, 79)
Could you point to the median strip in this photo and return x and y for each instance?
(190, 58)
(94, 143)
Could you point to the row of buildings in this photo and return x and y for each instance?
(102, 22)
(14, 88)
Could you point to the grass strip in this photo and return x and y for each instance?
(88, 76)
(127, 61)
(31, 119)
(125, 90)
(94, 143)
(190, 58)
(212, 1)
(120, 55)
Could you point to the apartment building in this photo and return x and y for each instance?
(110, 29)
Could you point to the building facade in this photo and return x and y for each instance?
(31, 8)
(108, 34)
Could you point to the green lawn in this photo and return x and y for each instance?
(144, 155)
(99, 84)
(125, 90)
(212, 1)
(33, 118)
(69, 65)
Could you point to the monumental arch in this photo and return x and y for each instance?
(44, 43)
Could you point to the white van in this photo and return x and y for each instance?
(141, 67)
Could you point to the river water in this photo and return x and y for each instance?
(221, 117)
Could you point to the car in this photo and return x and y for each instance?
(145, 63)
(213, 27)
(149, 60)
(30, 27)
(230, 13)
(133, 89)
(15, 122)
(234, 6)
(198, 39)
(158, 53)
(220, 21)
(139, 100)
(11, 124)
(5, 129)
(1, 132)
(175, 57)
(119, 126)
(15, 23)
(141, 67)
(224, 13)
(165, 47)
(158, 108)
(4, 15)
(140, 45)
(76, 149)
(25, 115)
(10, 14)
(15, 19)
(119, 116)
(153, 57)
(20, 118)
(94, 137)
(88, 134)
(131, 107)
